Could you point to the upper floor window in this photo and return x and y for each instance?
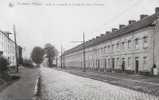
(117, 45)
(136, 43)
(101, 50)
(112, 46)
(123, 44)
(108, 47)
(129, 43)
(105, 48)
(145, 41)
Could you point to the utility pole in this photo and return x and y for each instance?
(15, 41)
(84, 54)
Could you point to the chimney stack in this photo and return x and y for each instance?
(157, 11)
(97, 37)
(107, 32)
(114, 29)
(101, 35)
(132, 21)
(121, 26)
(143, 16)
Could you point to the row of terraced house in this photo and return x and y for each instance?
(7, 48)
(133, 48)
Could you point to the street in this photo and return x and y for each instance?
(23, 88)
(59, 85)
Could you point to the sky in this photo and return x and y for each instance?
(60, 22)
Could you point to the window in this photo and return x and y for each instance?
(123, 44)
(101, 51)
(117, 62)
(109, 62)
(129, 61)
(144, 60)
(129, 43)
(117, 45)
(105, 49)
(108, 47)
(112, 46)
(136, 43)
(145, 38)
(145, 42)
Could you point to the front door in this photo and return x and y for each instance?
(98, 64)
(113, 63)
(136, 64)
(105, 64)
(123, 64)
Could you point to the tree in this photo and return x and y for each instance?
(37, 55)
(51, 52)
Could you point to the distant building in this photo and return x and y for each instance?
(7, 48)
(133, 47)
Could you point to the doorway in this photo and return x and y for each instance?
(98, 64)
(113, 63)
(123, 64)
(105, 64)
(136, 64)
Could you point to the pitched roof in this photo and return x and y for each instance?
(145, 22)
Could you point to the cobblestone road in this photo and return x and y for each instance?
(58, 85)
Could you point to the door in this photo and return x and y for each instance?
(105, 64)
(113, 63)
(136, 64)
(123, 64)
(98, 64)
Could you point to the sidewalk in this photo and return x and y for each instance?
(23, 88)
(132, 81)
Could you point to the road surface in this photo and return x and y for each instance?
(23, 88)
(59, 85)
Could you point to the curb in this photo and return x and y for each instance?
(37, 87)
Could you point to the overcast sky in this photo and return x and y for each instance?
(59, 24)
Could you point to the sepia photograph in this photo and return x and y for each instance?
(79, 50)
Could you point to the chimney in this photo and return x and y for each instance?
(107, 32)
(157, 11)
(132, 21)
(101, 35)
(121, 26)
(143, 16)
(97, 37)
(114, 29)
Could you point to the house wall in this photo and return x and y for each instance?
(7, 46)
(117, 50)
